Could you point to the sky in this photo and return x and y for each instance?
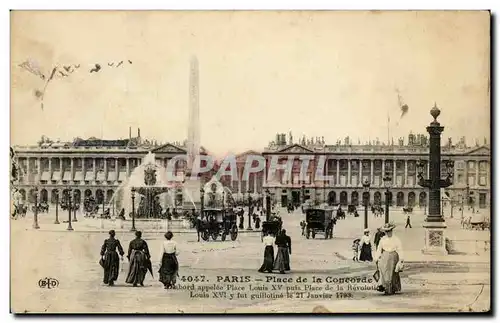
(331, 74)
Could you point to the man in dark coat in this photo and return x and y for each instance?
(378, 235)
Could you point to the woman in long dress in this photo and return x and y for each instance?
(110, 259)
(389, 258)
(169, 264)
(138, 256)
(282, 261)
(268, 264)
(366, 247)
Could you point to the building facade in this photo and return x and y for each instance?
(94, 168)
(348, 166)
(97, 168)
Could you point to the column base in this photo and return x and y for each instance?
(435, 242)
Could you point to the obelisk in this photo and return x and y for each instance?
(192, 187)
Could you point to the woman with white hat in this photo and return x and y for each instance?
(389, 258)
(365, 247)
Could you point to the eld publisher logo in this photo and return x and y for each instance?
(48, 283)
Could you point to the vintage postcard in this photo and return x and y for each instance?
(250, 162)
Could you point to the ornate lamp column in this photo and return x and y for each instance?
(268, 205)
(133, 209)
(434, 223)
(202, 201)
(74, 207)
(70, 228)
(366, 188)
(35, 213)
(57, 207)
(250, 209)
(387, 183)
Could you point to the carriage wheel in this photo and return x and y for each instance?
(204, 235)
(215, 235)
(234, 233)
(223, 236)
(313, 234)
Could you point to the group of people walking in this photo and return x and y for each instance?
(388, 257)
(139, 260)
(282, 261)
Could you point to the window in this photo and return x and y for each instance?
(471, 164)
(460, 179)
(482, 180)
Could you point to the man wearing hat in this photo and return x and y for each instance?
(365, 247)
(389, 258)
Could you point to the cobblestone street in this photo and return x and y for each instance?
(72, 259)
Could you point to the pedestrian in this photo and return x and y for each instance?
(139, 257)
(389, 260)
(257, 222)
(282, 261)
(303, 227)
(366, 247)
(408, 223)
(109, 258)
(378, 235)
(169, 265)
(355, 249)
(268, 263)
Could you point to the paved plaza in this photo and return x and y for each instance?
(429, 283)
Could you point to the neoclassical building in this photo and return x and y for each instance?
(98, 167)
(350, 165)
(89, 167)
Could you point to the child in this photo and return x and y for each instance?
(355, 249)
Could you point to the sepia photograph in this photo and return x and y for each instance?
(250, 162)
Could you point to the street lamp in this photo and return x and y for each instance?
(366, 188)
(202, 201)
(387, 184)
(434, 222)
(249, 211)
(74, 207)
(68, 191)
(268, 205)
(57, 206)
(133, 209)
(35, 213)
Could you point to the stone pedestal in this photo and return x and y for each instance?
(435, 242)
(191, 194)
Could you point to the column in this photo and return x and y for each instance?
(239, 180)
(371, 171)
(40, 168)
(83, 168)
(128, 166)
(381, 182)
(106, 169)
(477, 173)
(28, 171)
(72, 169)
(117, 170)
(394, 172)
(348, 172)
(360, 175)
(337, 182)
(263, 177)
(61, 169)
(326, 168)
(94, 168)
(405, 180)
(255, 183)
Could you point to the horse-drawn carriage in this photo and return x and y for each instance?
(19, 210)
(407, 209)
(351, 209)
(42, 207)
(319, 220)
(217, 222)
(273, 226)
(479, 221)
